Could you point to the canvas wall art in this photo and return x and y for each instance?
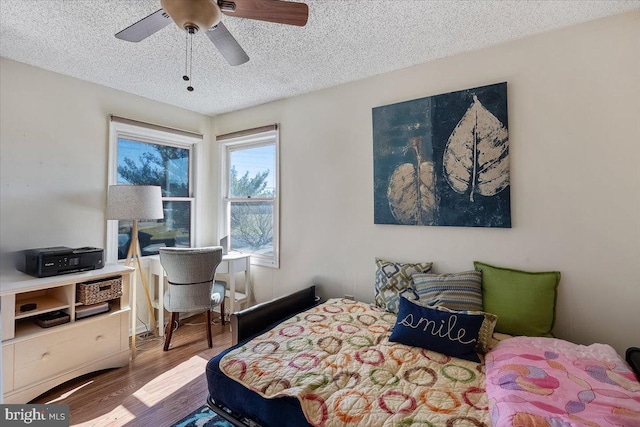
(443, 160)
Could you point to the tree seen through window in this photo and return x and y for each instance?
(165, 166)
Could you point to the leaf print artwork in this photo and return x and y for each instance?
(443, 160)
(411, 195)
(476, 157)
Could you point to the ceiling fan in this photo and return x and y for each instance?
(205, 15)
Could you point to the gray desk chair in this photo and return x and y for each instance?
(191, 274)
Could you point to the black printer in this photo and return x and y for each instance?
(45, 262)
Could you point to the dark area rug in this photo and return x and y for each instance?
(203, 417)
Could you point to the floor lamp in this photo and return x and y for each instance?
(136, 202)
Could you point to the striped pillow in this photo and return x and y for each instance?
(456, 291)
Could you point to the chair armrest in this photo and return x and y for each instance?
(261, 317)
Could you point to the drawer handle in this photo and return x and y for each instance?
(45, 356)
(99, 338)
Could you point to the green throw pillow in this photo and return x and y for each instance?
(524, 302)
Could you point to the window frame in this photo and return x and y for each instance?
(252, 138)
(120, 128)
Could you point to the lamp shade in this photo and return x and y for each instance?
(134, 202)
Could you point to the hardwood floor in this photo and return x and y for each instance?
(157, 388)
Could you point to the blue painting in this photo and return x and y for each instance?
(443, 160)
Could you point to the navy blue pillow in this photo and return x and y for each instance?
(451, 333)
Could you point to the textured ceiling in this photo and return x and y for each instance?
(344, 40)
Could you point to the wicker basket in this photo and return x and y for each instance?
(99, 290)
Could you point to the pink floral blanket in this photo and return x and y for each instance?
(547, 382)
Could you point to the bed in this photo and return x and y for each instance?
(298, 362)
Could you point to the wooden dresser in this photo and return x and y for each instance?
(35, 358)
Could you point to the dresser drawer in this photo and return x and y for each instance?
(7, 367)
(50, 354)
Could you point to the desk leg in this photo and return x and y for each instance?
(248, 289)
(232, 286)
(157, 273)
(162, 283)
(132, 312)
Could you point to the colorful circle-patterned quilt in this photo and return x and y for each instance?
(336, 359)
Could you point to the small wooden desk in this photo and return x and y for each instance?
(232, 263)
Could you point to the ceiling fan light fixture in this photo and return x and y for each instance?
(195, 16)
(201, 14)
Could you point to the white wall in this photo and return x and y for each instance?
(54, 145)
(574, 124)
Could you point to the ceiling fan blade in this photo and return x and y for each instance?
(145, 27)
(227, 45)
(281, 12)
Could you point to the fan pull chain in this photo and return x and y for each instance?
(186, 57)
(190, 88)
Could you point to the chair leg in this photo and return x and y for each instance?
(209, 329)
(222, 315)
(169, 329)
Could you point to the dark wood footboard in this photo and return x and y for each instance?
(261, 317)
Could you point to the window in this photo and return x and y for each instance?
(249, 205)
(152, 155)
